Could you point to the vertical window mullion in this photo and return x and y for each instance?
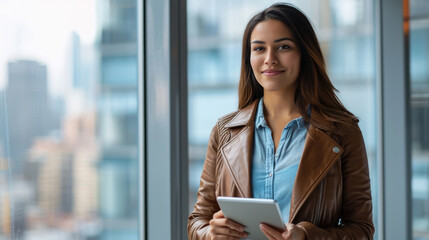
(166, 115)
(396, 154)
(141, 116)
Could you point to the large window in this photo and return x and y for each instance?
(346, 32)
(419, 124)
(69, 165)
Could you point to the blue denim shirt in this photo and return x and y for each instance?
(273, 174)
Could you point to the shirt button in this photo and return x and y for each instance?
(336, 149)
(270, 175)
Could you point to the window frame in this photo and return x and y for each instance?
(393, 73)
(166, 119)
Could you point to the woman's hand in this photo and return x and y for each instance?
(223, 228)
(292, 232)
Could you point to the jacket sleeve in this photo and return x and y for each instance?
(206, 205)
(356, 213)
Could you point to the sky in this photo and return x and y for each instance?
(41, 30)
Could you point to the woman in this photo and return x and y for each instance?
(291, 140)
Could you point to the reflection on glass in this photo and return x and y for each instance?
(215, 28)
(419, 62)
(68, 120)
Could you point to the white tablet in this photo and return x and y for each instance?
(251, 212)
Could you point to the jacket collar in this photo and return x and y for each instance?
(245, 116)
(319, 155)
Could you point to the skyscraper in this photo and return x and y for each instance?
(118, 120)
(27, 108)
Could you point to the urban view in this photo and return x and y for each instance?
(68, 142)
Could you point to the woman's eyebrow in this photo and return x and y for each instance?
(258, 42)
(277, 40)
(284, 39)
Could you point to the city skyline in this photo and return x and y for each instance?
(76, 178)
(30, 36)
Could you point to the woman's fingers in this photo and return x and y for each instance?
(225, 231)
(220, 220)
(218, 214)
(233, 225)
(227, 227)
(224, 228)
(267, 234)
(293, 232)
(270, 232)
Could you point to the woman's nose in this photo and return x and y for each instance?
(271, 58)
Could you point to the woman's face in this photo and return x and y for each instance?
(274, 56)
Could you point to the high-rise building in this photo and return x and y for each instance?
(118, 119)
(64, 172)
(27, 108)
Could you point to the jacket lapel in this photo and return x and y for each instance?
(237, 158)
(319, 155)
(237, 152)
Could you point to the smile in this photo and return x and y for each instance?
(272, 72)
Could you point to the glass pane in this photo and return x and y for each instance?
(68, 119)
(419, 62)
(214, 32)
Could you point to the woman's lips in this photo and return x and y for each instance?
(272, 72)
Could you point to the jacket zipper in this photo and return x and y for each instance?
(319, 203)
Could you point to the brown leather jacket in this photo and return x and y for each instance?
(331, 197)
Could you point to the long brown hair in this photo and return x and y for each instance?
(314, 86)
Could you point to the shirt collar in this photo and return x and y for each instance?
(300, 122)
(260, 119)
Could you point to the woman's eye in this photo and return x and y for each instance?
(283, 47)
(258, 49)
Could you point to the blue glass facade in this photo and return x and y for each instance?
(118, 122)
(419, 128)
